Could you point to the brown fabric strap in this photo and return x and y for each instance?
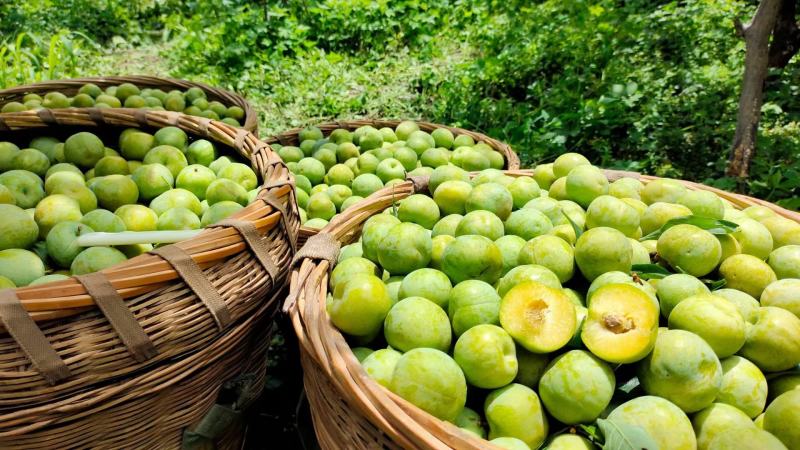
(321, 246)
(269, 198)
(238, 143)
(257, 245)
(193, 276)
(97, 116)
(47, 116)
(30, 338)
(119, 316)
(140, 115)
(420, 183)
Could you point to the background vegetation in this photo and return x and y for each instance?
(647, 85)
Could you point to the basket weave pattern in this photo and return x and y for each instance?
(71, 86)
(111, 400)
(348, 406)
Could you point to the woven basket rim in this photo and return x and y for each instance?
(41, 300)
(174, 320)
(230, 98)
(330, 364)
(290, 137)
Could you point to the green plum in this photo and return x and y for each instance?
(576, 387)
(515, 411)
(431, 380)
(487, 355)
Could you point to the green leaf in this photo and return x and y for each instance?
(591, 432)
(623, 436)
(650, 271)
(715, 284)
(713, 226)
(575, 227)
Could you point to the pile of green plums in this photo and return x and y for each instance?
(336, 171)
(193, 101)
(509, 307)
(51, 192)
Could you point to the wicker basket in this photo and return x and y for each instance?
(71, 86)
(349, 409)
(291, 138)
(196, 332)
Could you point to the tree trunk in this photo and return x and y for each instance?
(756, 35)
(785, 36)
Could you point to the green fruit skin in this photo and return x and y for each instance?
(525, 273)
(416, 322)
(747, 274)
(528, 223)
(683, 369)
(785, 261)
(783, 294)
(470, 421)
(492, 197)
(431, 380)
(487, 356)
(346, 270)
(113, 191)
(153, 180)
(178, 218)
(743, 386)
(696, 251)
(451, 196)
(531, 367)
(195, 178)
(223, 189)
(746, 437)
(427, 283)
(219, 211)
(782, 418)
(754, 238)
(102, 220)
(471, 303)
(662, 420)
(419, 209)
(54, 209)
(472, 257)
(745, 303)
(663, 190)
(576, 387)
(380, 365)
(373, 232)
(171, 157)
(564, 164)
(551, 252)
(718, 418)
(608, 211)
(405, 247)
(360, 305)
(657, 214)
(712, 318)
(601, 250)
(17, 229)
(27, 187)
(84, 149)
(515, 411)
(61, 245)
(20, 266)
(94, 259)
(585, 183)
(510, 247)
(482, 223)
(773, 341)
(137, 217)
(672, 289)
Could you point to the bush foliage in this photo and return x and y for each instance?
(646, 85)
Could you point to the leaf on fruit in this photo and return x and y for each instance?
(40, 248)
(629, 385)
(575, 227)
(650, 271)
(715, 284)
(713, 226)
(591, 432)
(623, 436)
